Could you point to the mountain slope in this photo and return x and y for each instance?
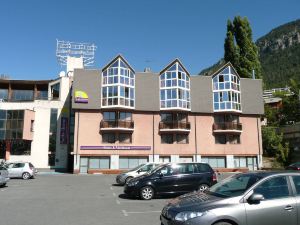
(279, 55)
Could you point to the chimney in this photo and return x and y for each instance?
(147, 70)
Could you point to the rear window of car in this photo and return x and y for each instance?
(30, 165)
(2, 168)
(203, 168)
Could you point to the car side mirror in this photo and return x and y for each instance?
(138, 171)
(255, 198)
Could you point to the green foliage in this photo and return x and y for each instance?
(282, 154)
(239, 48)
(271, 115)
(273, 145)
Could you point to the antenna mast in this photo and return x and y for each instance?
(86, 51)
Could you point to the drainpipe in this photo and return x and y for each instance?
(259, 149)
(153, 136)
(196, 146)
(77, 135)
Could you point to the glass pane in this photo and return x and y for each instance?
(94, 163)
(273, 188)
(123, 163)
(104, 163)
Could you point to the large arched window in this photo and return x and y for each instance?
(118, 82)
(175, 87)
(226, 90)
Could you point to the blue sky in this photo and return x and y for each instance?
(147, 33)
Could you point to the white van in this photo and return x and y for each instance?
(123, 178)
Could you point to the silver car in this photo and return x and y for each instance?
(23, 170)
(257, 198)
(3, 176)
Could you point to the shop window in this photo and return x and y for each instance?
(99, 163)
(131, 162)
(164, 159)
(215, 162)
(186, 159)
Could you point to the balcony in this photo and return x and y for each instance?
(174, 126)
(114, 125)
(227, 127)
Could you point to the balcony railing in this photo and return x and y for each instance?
(232, 126)
(116, 124)
(174, 125)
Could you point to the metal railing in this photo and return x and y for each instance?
(228, 126)
(174, 125)
(117, 124)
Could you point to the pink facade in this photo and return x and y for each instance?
(146, 133)
(28, 127)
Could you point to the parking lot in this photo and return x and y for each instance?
(74, 200)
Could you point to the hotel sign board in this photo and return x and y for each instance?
(115, 147)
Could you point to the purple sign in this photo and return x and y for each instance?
(102, 147)
(64, 134)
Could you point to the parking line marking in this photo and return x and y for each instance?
(111, 188)
(114, 194)
(144, 212)
(118, 202)
(124, 212)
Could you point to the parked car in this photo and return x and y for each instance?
(172, 178)
(294, 166)
(264, 198)
(23, 170)
(3, 176)
(124, 178)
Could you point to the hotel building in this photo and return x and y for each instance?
(124, 118)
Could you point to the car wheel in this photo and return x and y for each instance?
(147, 193)
(128, 179)
(25, 176)
(222, 223)
(3, 185)
(203, 187)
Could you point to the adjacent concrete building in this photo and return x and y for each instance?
(124, 118)
(34, 121)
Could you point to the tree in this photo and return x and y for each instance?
(239, 48)
(273, 145)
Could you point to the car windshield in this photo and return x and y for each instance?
(155, 169)
(136, 168)
(234, 186)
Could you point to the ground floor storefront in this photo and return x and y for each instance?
(116, 163)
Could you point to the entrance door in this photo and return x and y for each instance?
(84, 165)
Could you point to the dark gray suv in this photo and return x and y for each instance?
(257, 198)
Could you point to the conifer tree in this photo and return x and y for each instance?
(239, 48)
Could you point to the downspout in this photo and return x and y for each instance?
(196, 150)
(77, 135)
(153, 136)
(259, 149)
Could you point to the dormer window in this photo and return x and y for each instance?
(226, 90)
(118, 84)
(175, 87)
